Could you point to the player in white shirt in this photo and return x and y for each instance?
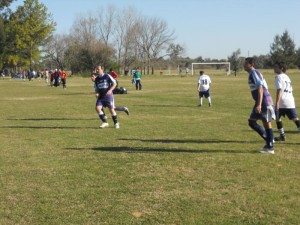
(204, 82)
(285, 102)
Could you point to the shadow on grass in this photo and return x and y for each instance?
(40, 127)
(153, 150)
(49, 119)
(187, 141)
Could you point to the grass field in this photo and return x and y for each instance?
(170, 162)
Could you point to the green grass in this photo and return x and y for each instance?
(171, 162)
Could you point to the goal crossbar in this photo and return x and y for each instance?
(213, 63)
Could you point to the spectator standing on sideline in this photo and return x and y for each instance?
(186, 71)
(263, 107)
(285, 102)
(46, 76)
(137, 78)
(104, 86)
(64, 76)
(114, 75)
(204, 82)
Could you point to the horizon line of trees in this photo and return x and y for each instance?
(117, 38)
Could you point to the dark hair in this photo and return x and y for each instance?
(250, 60)
(201, 72)
(282, 65)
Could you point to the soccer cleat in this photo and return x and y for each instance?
(200, 105)
(103, 125)
(266, 150)
(117, 126)
(280, 138)
(209, 104)
(126, 110)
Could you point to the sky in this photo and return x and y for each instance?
(208, 28)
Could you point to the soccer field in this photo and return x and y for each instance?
(171, 162)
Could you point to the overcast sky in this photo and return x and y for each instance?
(208, 28)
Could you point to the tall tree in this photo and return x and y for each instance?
(152, 38)
(30, 26)
(283, 49)
(235, 61)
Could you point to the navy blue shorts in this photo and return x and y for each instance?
(290, 113)
(206, 94)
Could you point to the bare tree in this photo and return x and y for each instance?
(56, 48)
(106, 23)
(124, 36)
(153, 38)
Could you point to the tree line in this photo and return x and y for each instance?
(113, 37)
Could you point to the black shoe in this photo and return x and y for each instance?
(280, 138)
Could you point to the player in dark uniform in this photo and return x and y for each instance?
(104, 86)
(263, 108)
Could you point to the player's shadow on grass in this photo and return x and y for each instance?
(46, 127)
(153, 150)
(48, 119)
(203, 141)
(171, 106)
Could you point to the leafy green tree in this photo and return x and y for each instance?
(28, 29)
(5, 3)
(283, 49)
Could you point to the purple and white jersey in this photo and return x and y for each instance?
(103, 84)
(255, 80)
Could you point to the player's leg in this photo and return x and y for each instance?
(122, 108)
(113, 113)
(257, 128)
(292, 115)
(267, 117)
(102, 116)
(200, 98)
(208, 97)
(279, 125)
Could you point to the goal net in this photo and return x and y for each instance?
(217, 67)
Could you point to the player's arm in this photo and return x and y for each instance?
(278, 97)
(259, 99)
(112, 87)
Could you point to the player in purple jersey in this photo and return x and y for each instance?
(263, 108)
(104, 85)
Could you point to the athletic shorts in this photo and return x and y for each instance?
(290, 113)
(107, 101)
(266, 115)
(206, 94)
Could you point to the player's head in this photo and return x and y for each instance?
(249, 63)
(280, 67)
(110, 69)
(99, 70)
(201, 72)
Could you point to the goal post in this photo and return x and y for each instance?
(213, 63)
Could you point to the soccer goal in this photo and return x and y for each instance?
(221, 66)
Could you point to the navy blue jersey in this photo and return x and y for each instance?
(103, 84)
